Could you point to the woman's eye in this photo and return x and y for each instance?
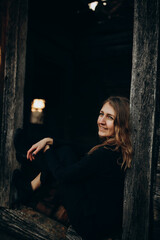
(100, 114)
(110, 117)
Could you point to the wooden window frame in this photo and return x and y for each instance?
(144, 105)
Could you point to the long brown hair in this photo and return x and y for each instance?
(121, 139)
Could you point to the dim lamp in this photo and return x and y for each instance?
(37, 113)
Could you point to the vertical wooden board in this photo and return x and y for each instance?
(14, 75)
(139, 179)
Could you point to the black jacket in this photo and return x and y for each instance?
(92, 190)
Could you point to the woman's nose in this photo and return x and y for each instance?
(102, 120)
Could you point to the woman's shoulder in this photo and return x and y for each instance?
(106, 158)
(111, 148)
(107, 151)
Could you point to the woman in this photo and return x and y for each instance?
(92, 188)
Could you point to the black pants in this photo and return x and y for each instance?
(66, 156)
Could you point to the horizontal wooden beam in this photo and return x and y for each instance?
(28, 224)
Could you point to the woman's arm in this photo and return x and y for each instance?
(43, 144)
(90, 165)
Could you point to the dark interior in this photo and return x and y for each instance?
(76, 58)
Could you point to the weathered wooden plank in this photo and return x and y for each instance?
(14, 74)
(138, 194)
(156, 203)
(28, 224)
(2, 44)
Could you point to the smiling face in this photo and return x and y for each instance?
(106, 120)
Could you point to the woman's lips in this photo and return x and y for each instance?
(102, 128)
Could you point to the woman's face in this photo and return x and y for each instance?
(106, 120)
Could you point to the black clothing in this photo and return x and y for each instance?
(91, 189)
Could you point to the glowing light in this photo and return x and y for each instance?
(93, 5)
(38, 105)
(104, 2)
(37, 114)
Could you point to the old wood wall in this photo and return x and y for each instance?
(14, 76)
(138, 200)
(139, 186)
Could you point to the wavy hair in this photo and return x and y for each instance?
(121, 139)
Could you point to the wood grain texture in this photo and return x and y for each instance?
(156, 204)
(14, 75)
(138, 194)
(28, 224)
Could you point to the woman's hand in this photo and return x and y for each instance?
(41, 145)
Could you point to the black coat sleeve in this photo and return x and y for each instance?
(79, 147)
(89, 165)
